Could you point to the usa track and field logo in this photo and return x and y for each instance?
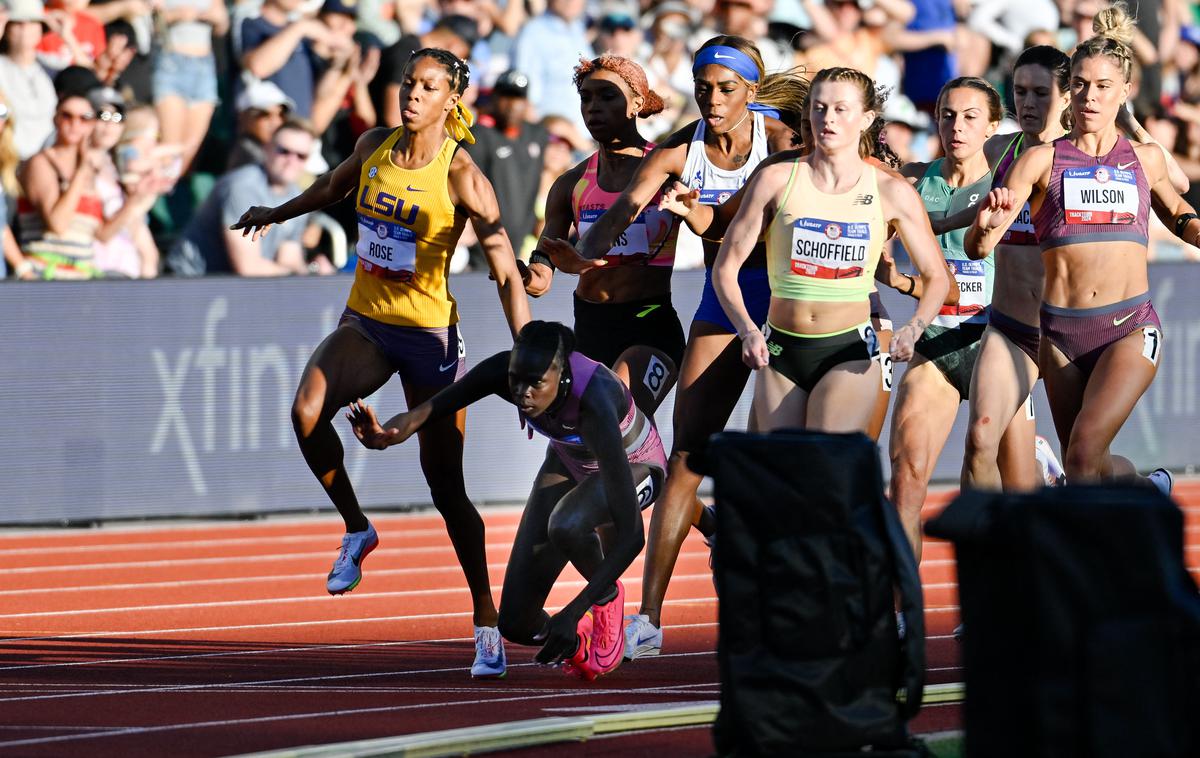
(833, 231)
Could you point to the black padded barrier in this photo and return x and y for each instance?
(808, 559)
(1081, 624)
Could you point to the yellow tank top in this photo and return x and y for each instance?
(407, 231)
(823, 247)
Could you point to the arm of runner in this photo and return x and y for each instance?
(760, 193)
(329, 188)
(1002, 204)
(907, 284)
(489, 377)
(559, 217)
(904, 210)
(600, 428)
(655, 170)
(711, 222)
(1128, 124)
(471, 191)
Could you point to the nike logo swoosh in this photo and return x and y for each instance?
(1119, 321)
(448, 366)
(648, 310)
(1123, 166)
(723, 57)
(414, 189)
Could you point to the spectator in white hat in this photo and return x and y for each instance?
(26, 85)
(261, 109)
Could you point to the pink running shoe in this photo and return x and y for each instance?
(608, 635)
(574, 667)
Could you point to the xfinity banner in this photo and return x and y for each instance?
(172, 398)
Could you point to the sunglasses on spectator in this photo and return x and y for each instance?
(286, 152)
(70, 116)
(113, 117)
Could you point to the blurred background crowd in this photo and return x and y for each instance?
(133, 132)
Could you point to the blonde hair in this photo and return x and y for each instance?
(1115, 29)
(785, 91)
(9, 158)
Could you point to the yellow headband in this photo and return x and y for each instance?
(458, 124)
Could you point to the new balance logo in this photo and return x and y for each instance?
(863, 199)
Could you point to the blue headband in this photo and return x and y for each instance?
(729, 57)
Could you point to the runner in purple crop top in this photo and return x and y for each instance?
(605, 463)
(1089, 193)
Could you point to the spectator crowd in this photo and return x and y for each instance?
(133, 132)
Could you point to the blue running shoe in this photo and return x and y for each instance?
(1162, 480)
(347, 569)
(642, 639)
(490, 662)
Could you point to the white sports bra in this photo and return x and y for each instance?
(717, 185)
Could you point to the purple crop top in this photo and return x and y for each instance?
(638, 434)
(1094, 199)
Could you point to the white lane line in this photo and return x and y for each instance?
(394, 539)
(568, 584)
(223, 686)
(109, 732)
(285, 624)
(307, 649)
(498, 566)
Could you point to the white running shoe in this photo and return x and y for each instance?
(1052, 470)
(490, 662)
(642, 639)
(1162, 480)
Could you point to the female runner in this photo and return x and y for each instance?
(605, 462)
(628, 302)
(715, 155)
(1090, 196)
(415, 191)
(968, 113)
(828, 216)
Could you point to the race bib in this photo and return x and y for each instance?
(633, 241)
(715, 196)
(829, 249)
(386, 248)
(1020, 231)
(1100, 195)
(972, 293)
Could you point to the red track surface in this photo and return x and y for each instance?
(218, 638)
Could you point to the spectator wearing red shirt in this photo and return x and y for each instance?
(75, 36)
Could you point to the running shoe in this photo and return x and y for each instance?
(642, 639)
(958, 632)
(608, 636)
(1052, 471)
(1162, 480)
(347, 569)
(574, 667)
(490, 662)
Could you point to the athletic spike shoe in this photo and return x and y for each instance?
(490, 662)
(574, 667)
(1052, 471)
(347, 569)
(642, 639)
(608, 635)
(1162, 480)
(959, 631)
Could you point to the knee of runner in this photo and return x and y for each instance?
(306, 414)
(983, 439)
(1082, 461)
(566, 531)
(519, 628)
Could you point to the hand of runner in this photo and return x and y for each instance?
(368, 430)
(903, 340)
(994, 210)
(255, 222)
(566, 258)
(679, 199)
(558, 637)
(754, 350)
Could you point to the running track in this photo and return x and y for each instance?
(218, 638)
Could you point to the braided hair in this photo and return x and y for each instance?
(456, 70)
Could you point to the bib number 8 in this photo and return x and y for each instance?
(656, 376)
